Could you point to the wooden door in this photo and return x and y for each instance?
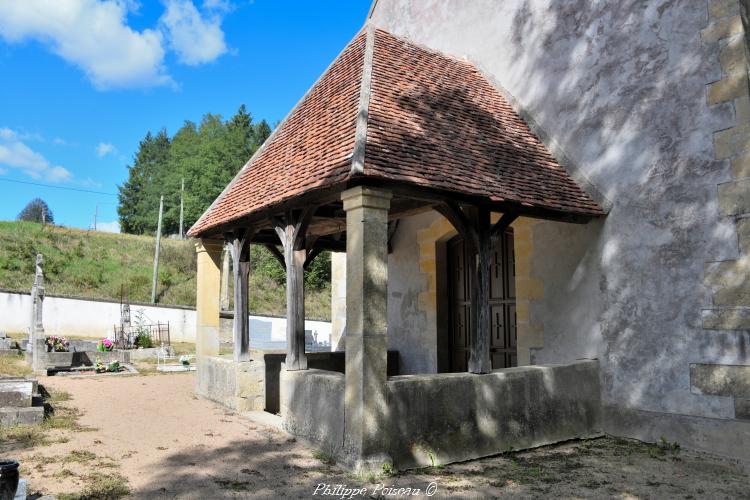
(503, 351)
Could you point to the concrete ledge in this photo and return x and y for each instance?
(724, 437)
(239, 386)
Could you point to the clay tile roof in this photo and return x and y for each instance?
(421, 117)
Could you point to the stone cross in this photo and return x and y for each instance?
(36, 330)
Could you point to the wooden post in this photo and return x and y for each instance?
(182, 194)
(292, 230)
(156, 252)
(475, 226)
(239, 247)
(479, 348)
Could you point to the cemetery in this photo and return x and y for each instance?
(495, 249)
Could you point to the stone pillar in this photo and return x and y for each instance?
(366, 402)
(207, 297)
(338, 301)
(225, 280)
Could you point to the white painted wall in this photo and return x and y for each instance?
(96, 319)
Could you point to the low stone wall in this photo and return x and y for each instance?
(92, 318)
(239, 386)
(312, 408)
(459, 416)
(444, 418)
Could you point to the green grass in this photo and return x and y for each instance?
(102, 265)
(100, 486)
(14, 365)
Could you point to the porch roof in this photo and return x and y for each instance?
(388, 111)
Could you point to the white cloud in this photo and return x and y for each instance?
(224, 6)
(7, 134)
(105, 148)
(15, 153)
(3, 171)
(195, 38)
(108, 227)
(59, 142)
(92, 35)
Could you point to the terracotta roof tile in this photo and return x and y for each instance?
(433, 121)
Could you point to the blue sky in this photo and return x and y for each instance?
(84, 80)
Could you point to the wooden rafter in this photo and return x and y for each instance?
(502, 225)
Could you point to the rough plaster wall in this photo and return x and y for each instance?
(620, 85)
(409, 331)
(408, 328)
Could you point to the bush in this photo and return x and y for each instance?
(143, 340)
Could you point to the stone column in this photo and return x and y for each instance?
(366, 403)
(225, 279)
(207, 297)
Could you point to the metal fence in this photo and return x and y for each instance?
(126, 336)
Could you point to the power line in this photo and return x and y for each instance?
(58, 187)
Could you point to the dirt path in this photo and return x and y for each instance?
(169, 444)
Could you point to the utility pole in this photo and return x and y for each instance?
(96, 213)
(156, 252)
(182, 194)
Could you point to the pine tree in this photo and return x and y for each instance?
(36, 210)
(139, 196)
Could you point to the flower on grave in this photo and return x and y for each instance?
(99, 366)
(114, 366)
(105, 345)
(185, 359)
(56, 344)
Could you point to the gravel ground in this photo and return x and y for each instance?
(151, 436)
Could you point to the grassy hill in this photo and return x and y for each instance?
(102, 265)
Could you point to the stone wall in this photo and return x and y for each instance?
(443, 418)
(453, 417)
(239, 386)
(729, 280)
(628, 96)
(312, 408)
(70, 316)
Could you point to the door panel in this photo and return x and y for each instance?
(502, 303)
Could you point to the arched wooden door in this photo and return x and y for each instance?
(503, 350)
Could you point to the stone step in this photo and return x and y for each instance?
(726, 318)
(743, 232)
(734, 197)
(733, 296)
(726, 273)
(21, 415)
